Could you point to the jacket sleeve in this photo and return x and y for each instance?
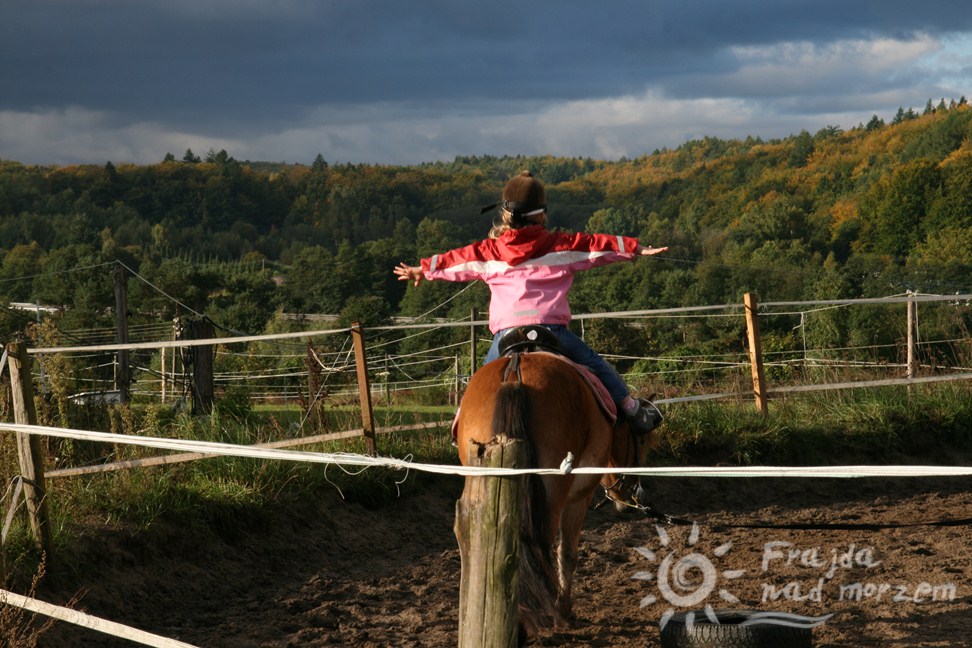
(461, 264)
(592, 250)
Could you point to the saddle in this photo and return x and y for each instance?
(529, 338)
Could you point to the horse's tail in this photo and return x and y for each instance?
(538, 574)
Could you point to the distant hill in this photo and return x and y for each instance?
(879, 208)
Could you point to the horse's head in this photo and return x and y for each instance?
(624, 491)
(630, 449)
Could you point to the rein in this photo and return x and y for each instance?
(652, 513)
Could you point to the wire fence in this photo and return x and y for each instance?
(916, 346)
(803, 344)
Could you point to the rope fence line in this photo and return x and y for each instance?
(293, 370)
(379, 387)
(894, 299)
(191, 449)
(193, 456)
(170, 344)
(380, 364)
(216, 448)
(274, 373)
(88, 621)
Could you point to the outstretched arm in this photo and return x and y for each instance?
(647, 250)
(409, 273)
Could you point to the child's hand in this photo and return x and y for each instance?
(647, 250)
(409, 273)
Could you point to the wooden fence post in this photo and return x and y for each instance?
(203, 394)
(755, 353)
(488, 530)
(123, 372)
(364, 388)
(472, 343)
(314, 405)
(162, 350)
(29, 448)
(457, 386)
(912, 330)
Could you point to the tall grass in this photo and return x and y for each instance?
(883, 425)
(18, 628)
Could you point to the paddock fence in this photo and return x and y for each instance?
(354, 368)
(309, 367)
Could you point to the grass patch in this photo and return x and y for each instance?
(886, 425)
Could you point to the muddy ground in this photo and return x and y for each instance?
(340, 574)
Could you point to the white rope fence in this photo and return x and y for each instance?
(204, 449)
(88, 621)
(214, 448)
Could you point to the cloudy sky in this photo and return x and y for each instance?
(409, 81)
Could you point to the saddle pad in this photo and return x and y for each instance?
(604, 399)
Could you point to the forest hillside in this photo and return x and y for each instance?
(878, 209)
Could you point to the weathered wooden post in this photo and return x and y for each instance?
(756, 353)
(29, 448)
(162, 367)
(912, 335)
(203, 394)
(314, 387)
(364, 388)
(123, 371)
(488, 530)
(472, 341)
(457, 386)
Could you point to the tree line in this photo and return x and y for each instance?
(877, 209)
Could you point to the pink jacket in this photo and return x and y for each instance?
(529, 270)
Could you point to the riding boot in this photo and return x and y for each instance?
(646, 418)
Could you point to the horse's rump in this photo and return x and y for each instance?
(558, 410)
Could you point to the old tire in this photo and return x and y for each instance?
(729, 633)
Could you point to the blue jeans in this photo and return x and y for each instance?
(577, 350)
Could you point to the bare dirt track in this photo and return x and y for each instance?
(338, 574)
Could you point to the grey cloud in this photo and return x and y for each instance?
(237, 70)
(125, 55)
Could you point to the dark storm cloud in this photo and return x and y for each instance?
(243, 68)
(166, 58)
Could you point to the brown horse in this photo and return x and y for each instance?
(546, 401)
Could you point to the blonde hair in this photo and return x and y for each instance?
(505, 222)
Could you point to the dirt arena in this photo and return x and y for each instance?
(338, 574)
